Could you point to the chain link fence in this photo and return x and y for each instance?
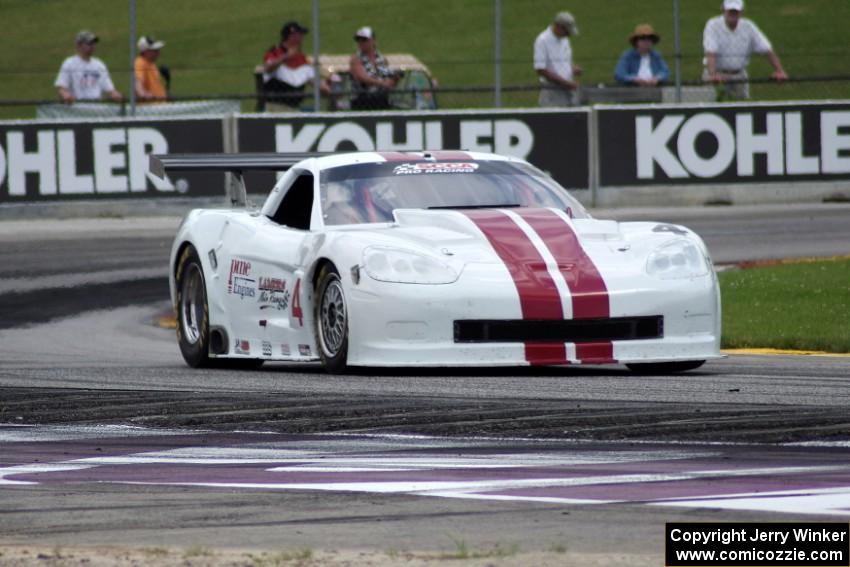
(774, 63)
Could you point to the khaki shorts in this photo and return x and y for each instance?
(736, 86)
(556, 97)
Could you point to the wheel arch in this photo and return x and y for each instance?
(317, 269)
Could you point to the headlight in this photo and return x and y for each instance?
(405, 266)
(677, 259)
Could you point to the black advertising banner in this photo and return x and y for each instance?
(49, 161)
(554, 141)
(759, 143)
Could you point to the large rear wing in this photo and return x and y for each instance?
(235, 164)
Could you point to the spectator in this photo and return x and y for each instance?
(553, 61)
(149, 85)
(83, 76)
(728, 41)
(286, 70)
(372, 77)
(642, 65)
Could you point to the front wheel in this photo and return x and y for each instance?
(665, 367)
(331, 319)
(193, 328)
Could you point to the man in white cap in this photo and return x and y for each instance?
(83, 76)
(149, 85)
(729, 40)
(553, 62)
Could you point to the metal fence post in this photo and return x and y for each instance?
(132, 93)
(677, 47)
(593, 154)
(317, 68)
(497, 62)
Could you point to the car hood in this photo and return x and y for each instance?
(451, 235)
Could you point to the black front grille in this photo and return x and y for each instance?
(571, 331)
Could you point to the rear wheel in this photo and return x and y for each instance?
(193, 321)
(331, 319)
(665, 367)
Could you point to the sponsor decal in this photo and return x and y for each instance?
(304, 350)
(239, 281)
(273, 293)
(430, 167)
(242, 346)
(285, 351)
(267, 349)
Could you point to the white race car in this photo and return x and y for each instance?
(442, 258)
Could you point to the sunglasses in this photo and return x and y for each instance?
(649, 37)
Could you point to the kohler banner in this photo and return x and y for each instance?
(43, 161)
(554, 141)
(729, 144)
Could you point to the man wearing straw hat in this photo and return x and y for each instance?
(642, 65)
(553, 62)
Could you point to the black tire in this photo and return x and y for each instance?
(193, 319)
(665, 367)
(331, 320)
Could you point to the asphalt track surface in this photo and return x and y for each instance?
(110, 439)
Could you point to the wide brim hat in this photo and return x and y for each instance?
(644, 30)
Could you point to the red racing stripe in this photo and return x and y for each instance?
(399, 156)
(451, 155)
(589, 293)
(538, 295)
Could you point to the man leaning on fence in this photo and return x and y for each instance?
(83, 76)
(729, 40)
(553, 61)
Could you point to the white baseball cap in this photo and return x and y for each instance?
(147, 42)
(733, 5)
(365, 32)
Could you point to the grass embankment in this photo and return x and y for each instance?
(213, 45)
(801, 305)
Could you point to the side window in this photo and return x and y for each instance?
(296, 207)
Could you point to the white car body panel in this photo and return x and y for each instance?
(265, 272)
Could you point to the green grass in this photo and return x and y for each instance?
(802, 305)
(214, 44)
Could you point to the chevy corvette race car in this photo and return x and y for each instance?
(442, 258)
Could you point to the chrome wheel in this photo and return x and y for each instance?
(192, 310)
(332, 315)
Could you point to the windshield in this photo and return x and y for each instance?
(369, 192)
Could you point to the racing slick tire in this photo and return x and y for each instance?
(193, 319)
(331, 319)
(665, 367)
